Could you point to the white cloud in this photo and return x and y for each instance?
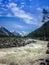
(44, 7)
(18, 12)
(21, 14)
(39, 9)
(15, 25)
(31, 21)
(22, 4)
(9, 15)
(20, 26)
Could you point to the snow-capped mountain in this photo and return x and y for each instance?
(16, 33)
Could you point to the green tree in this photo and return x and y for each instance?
(45, 19)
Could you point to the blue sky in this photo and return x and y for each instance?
(22, 16)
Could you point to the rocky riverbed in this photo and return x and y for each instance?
(15, 42)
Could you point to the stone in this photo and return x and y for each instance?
(42, 63)
(47, 52)
(48, 44)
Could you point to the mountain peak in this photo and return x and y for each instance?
(1, 27)
(16, 33)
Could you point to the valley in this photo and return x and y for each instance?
(24, 32)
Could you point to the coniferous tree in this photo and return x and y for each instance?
(45, 19)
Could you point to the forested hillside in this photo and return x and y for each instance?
(39, 33)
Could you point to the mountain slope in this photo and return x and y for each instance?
(39, 33)
(5, 32)
(16, 33)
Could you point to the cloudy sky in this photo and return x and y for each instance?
(22, 15)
